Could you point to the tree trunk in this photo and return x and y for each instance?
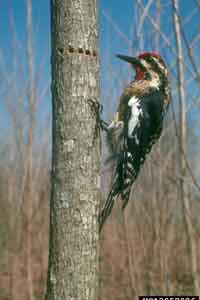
(183, 152)
(73, 258)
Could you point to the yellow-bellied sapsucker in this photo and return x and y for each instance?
(137, 124)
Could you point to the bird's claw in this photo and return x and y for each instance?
(98, 107)
(104, 125)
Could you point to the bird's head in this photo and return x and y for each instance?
(148, 66)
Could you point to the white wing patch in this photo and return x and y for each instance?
(134, 119)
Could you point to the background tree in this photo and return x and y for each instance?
(147, 252)
(73, 260)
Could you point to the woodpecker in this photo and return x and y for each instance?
(137, 124)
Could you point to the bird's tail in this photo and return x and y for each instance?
(113, 194)
(108, 204)
(125, 175)
(125, 195)
(106, 211)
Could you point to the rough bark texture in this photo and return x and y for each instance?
(73, 262)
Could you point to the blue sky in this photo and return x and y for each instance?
(13, 24)
(14, 11)
(12, 19)
(121, 12)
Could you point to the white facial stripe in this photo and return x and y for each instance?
(135, 112)
(161, 67)
(155, 80)
(145, 64)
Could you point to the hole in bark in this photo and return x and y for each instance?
(71, 49)
(87, 52)
(80, 50)
(94, 53)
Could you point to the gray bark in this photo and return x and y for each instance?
(73, 258)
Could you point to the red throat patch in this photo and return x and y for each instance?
(139, 73)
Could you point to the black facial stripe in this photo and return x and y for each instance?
(145, 71)
(154, 65)
(158, 70)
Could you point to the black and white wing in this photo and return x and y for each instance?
(142, 125)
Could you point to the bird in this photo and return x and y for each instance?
(137, 124)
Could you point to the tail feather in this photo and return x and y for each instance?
(125, 175)
(126, 195)
(106, 211)
(108, 204)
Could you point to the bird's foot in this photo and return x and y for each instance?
(98, 107)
